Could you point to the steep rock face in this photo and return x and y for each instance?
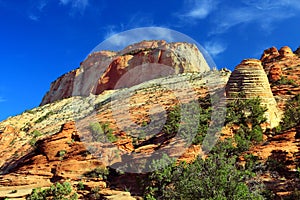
(249, 77)
(269, 54)
(102, 70)
(297, 52)
(275, 73)
(61, 88)
(283, 70)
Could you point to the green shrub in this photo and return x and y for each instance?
(102, 132)
(99, 172)
(80, 186)
(285, 81)
(198, 123)
(216, 177)
(61, 153)
(44, 117)
(248, 115)
(57, 191)
(94, 194)
(32, 142)
(35, 134)
(292, 113)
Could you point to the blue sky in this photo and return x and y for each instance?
(43, 39)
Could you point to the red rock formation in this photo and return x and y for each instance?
(250, 78)
(102, 70)
(286, 52)
(284, 64)
(275, 73)
(269, 54)
(61, 88)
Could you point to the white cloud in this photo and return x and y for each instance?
(77, 5)
(36, 10)
(264, 13)
(198, 9)
(117, 41)
(64, 2)
(33, 17)
(214, 48)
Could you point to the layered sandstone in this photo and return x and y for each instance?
(283, 69)
(250, 78)
(102, 70)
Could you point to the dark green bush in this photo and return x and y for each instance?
(102, 132)
(292, 114)
(99, 172)
(44, 117)
(285, 81)
(216, 177)
(57, 191)
(248, 115)
(35, 134)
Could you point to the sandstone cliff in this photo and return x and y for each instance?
(101, 70)
(250, 78)
(283, 69)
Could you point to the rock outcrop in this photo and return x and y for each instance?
(102, 70)
(250, 78)
(297, 52)
(283, 70)
(269, 54)
(275, 73)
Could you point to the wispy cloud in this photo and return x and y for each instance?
(33, 17)
(196, 9)
(76, 5)
(36, 10)
(264, 14)
(117, 41)
(214, 48)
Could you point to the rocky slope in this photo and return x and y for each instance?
(51, 143)
(48, 144)
(25, 167)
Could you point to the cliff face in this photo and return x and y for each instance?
(250, 78)
(283, 70)
(102, 70)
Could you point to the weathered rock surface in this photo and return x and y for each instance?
(102, 70)
(297, 52)
(283, 70)
(60, 152)
(61, 156)
(269, 54)
(250, 78)
(275, 73)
